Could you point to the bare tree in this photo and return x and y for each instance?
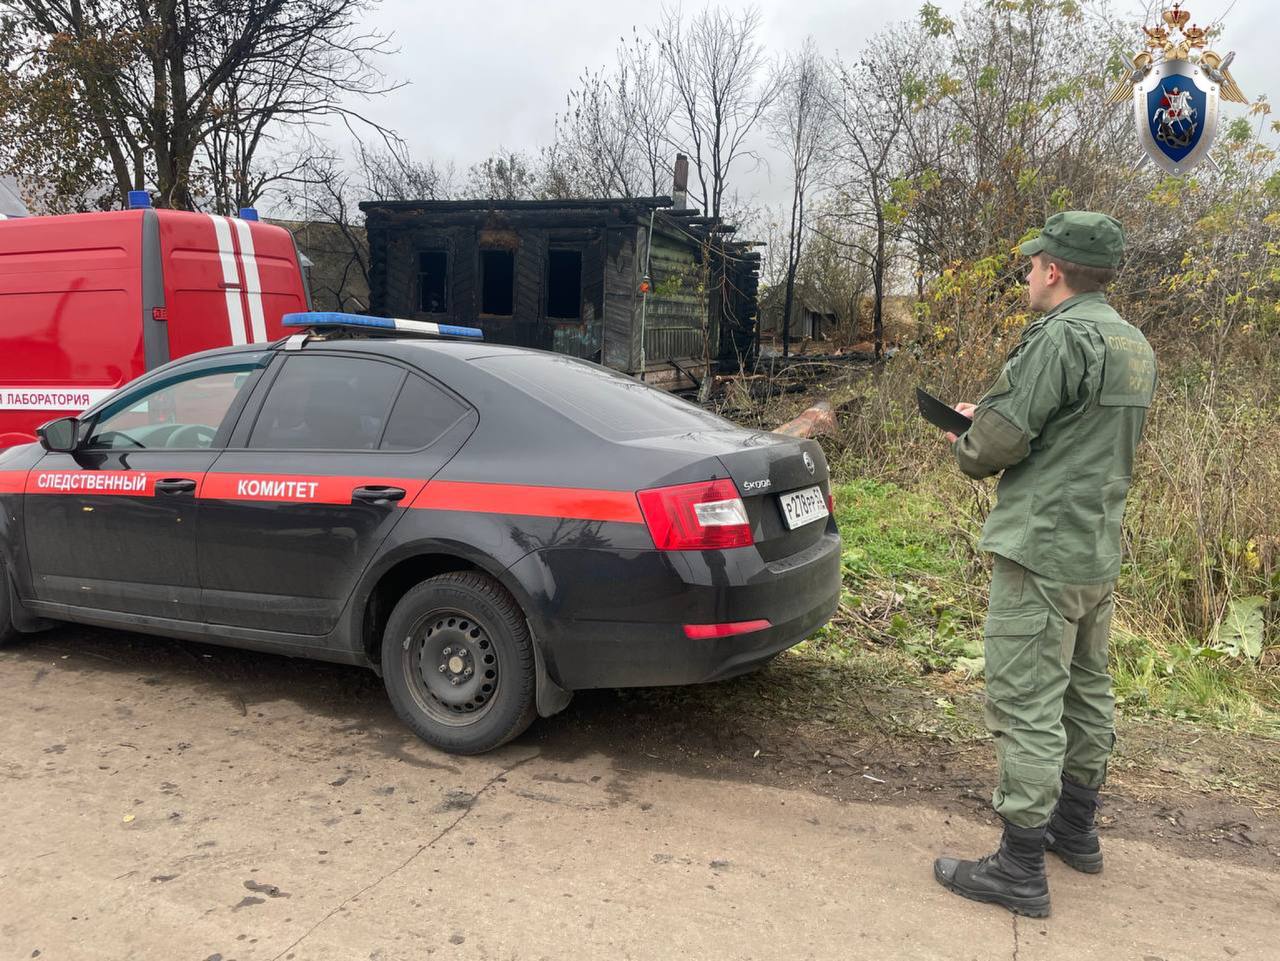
(722, 86)
(594, 146)
(832, 271)
(648, 106)
(322, 202)
(612, 140)
(181, 97)
(389, 173)
(1003, 121)
(870, 108)
(800, 127)
(504, 175)
(320, 207)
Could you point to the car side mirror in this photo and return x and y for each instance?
(59, 435)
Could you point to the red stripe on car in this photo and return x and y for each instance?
(576, 503)
(573, 503)
(296, 488)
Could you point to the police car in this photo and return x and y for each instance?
(489, 527)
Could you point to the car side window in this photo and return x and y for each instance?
(327, 403)
(184, 415)
(422, 413)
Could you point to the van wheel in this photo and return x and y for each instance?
(457, 662)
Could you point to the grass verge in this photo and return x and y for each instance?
(915, 594)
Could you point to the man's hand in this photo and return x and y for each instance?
(962, 408)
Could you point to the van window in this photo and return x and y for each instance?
(327, 403)
(185, 415)
(422, 413)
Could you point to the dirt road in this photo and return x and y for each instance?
(169, 801)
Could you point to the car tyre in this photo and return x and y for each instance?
(458, 663)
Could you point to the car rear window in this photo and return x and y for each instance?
(608, 403)
(422, 413)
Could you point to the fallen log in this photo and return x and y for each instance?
(818, 419)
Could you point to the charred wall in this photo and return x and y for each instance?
(564, 276)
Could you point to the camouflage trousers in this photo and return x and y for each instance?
(1049, 703)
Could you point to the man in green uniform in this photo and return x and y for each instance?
(1061, 422)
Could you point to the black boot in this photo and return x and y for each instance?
(1071, 834)
(1013, 876)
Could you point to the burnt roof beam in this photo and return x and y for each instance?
(442, 206)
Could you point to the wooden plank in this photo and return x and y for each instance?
(464, 266)
(594, 258)
(621, 275)
(530, 280)
(377, 270)
(508, 220)
(401, 274)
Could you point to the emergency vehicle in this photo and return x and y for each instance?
(88, 302)
(489, 527)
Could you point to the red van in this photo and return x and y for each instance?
(90, 301)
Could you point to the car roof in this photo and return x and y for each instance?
(451, 361)
(411, 348)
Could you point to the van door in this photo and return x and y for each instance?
(112, 527)
(227, 281)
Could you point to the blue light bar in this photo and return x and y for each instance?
(321, 319)
(139, 199)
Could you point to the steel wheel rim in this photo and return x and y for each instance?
(452, 666)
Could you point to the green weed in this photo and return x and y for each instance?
(1191, 682)
(915, 595)
(907, 576)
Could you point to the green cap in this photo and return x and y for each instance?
(1080, 236)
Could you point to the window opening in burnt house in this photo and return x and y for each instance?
(497, 282)
(433, 281)
(564, 284)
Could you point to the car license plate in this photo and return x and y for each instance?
(803, 507)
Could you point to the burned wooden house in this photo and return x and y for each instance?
(656, 292)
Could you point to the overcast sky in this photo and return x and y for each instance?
(486, 74)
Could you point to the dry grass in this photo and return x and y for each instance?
(1201, 531)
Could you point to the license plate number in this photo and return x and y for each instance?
(803, 507)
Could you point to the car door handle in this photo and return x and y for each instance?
(377, 495)
(175, 485)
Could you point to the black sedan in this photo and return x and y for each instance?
(490, 528)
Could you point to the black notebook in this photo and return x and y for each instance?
(941, 414)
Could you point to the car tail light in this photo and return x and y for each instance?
(705, 516)
(699, 632)
(831, 502)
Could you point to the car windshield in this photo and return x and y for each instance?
(605, 402)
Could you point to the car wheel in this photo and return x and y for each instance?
(457, 662)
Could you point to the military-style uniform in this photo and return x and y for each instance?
(1062, 422)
